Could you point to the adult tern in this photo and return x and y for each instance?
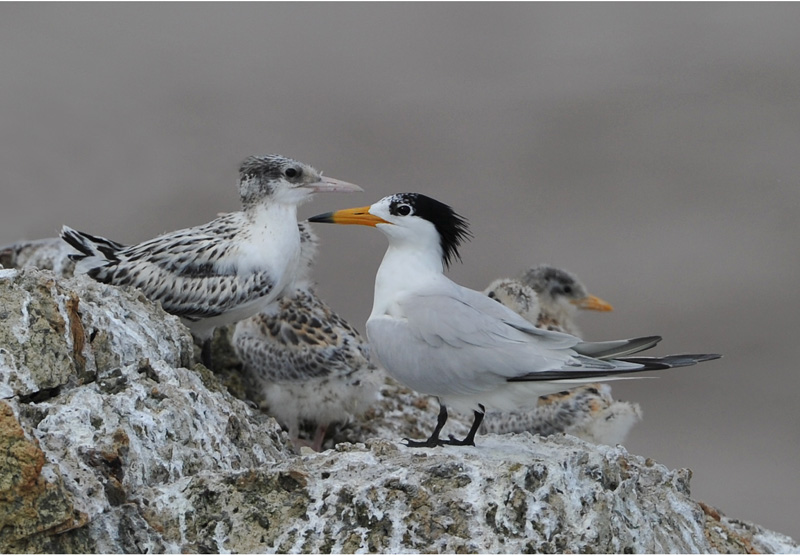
(459, 345)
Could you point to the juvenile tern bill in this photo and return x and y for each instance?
(457, 344)
(227, 269)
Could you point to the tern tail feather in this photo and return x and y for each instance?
(90, 246)
(620, 366)
(616, 349)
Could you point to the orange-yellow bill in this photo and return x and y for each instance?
(592, 303)
(358, 215)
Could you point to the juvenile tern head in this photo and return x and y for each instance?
(442, 339)
(561, 294)
(284, 180)
(227, 269)
(558, 295)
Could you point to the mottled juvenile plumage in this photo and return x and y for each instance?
(588, 412)
(311, 365)
(517, 296)
(227, 269)
(549, 298)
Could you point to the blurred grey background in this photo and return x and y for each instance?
(652, 149)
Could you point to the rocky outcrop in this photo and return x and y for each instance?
(115, 440)
(103, 384)
(45, 254)
(30, 502)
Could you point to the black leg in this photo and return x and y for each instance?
(469, 440)
(434, 440)
(205, 352)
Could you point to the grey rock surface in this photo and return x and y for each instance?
(49, 253)
(102, 381)
(115, 440)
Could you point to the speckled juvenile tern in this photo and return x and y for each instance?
(309, 363)
(225, 270)
(557, 296)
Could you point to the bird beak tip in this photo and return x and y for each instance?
(334, 185)
(326, 217)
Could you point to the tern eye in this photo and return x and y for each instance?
(291, 172)
(403, 210)
(567, 290)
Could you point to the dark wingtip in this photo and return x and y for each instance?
(672, 361)
(326, 217)
(706, 356)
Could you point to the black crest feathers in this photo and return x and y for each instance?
(452, 227)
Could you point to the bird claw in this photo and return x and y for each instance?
(453, 441)
(429, 443)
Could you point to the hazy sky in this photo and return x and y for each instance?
(652, 149)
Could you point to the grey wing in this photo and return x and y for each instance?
(476, 315)
(448, 344)
(444, 345)
(616, 348)
(591, 360)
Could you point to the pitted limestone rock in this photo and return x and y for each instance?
(136, 449)
(513, 493)
(30, 503)
(45, 254)
(115, 413)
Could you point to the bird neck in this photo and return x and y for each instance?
(272, 215)
(404, 270)
(273, 225)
